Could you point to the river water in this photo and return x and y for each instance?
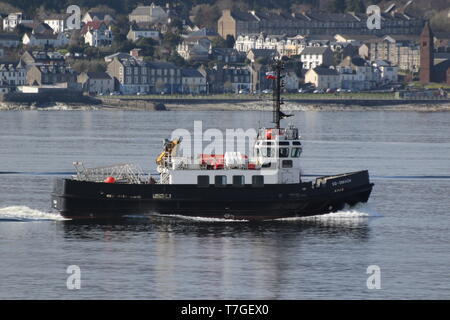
(403, 230)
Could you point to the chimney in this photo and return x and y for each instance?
(135, 53)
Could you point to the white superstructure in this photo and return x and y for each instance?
(275, 160)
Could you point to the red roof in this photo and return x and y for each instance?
(92, 25)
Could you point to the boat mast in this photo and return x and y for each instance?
(277, 85)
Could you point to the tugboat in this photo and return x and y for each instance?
(268, 185)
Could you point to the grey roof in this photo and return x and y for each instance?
(353, 61)
(5, 36)
(136, 27)
(119, 55)
(141, 11)
(264, 52)
(57, 16)
(162, 65)
(98, 75)
(226, 51)
(45, 68)
(442, 67)
(325, 71)
(131, 61)
(243, 16)
(6, 66)
(44, 36)
(314, 50)
(191, 73)
(204, 32)
(442, 55)
(100, 15)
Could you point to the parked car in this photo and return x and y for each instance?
(267, 91)
(318, 91)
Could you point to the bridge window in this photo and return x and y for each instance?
(220, 181)
(296, 152)
(203, 181)
(238, 181)
(284, 152)
(286, 163)
(258, 181)
(268, 152)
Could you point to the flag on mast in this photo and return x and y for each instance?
(271, 75)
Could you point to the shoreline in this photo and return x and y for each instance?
(136, 105)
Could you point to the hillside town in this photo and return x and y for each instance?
(154, 50)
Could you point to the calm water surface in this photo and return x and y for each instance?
(404, 229)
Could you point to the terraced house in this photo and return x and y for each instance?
(50, 74)
(133, 75)
(12, 74)
(394, 21)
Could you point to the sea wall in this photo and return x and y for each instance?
(137, 104)
(64, 96)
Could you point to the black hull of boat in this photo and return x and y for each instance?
(83, 199)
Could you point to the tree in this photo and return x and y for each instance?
(205, 15)
(146, 45)
(230, 41)
(7, 8)
(228, 86)
(354, 6)
(219, 42)
(337, 6)
(176, 59)
(160, 85)
(176, 23)
(22, 29)
(171, 39)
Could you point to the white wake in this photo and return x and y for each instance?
(359, 211)
(348, 214)
(24, 213)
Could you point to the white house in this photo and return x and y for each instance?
(14, 19)
(96, 82)
(58, 22)
(193, 81)
(136, 33)
(96, 33)
(312, 57)
(388, 73)
(291, 81)
(197, 50)
(41, 40)
(12, 75)
(323, 78)
(285, 46)
(149, 14)
(356, 73)
(97, 16)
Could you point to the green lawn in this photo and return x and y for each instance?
(288, 96)
(432, 85)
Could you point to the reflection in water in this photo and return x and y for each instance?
(222, 257)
